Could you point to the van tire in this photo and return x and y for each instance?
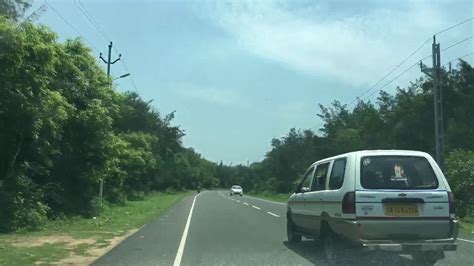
(332, 246)
(293, 237)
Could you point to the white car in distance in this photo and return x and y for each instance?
(236, 190)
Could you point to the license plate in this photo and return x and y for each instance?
(401, 210)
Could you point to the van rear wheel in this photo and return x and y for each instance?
(329, 243)
(293, 237)
(332, 245)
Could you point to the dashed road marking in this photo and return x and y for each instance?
(270, 201)
(255, 207)
(246, 203)
(238, 200)
(271, 213)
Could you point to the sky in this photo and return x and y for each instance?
(239, 73)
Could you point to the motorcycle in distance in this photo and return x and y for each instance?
(198, 189)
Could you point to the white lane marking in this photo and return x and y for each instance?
(182, 243)
(256, 207)
(238, 200)
(465, 240)
(246, 203)
(271, 201)
(271, 213)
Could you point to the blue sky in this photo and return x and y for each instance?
(239, 73)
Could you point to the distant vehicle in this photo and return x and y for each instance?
(378, 200)
(236, 190)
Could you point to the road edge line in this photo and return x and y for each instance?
(466, 240)
(182, 242)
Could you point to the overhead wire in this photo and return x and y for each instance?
(459, 57)
(90, 19)
(408, 57)
(70, 25)
(454, 26)
(457, 43)
(397, 77)
(93, 19)
(393, 70)
(94, 22)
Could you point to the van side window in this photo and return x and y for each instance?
(319, 182)
(337, 174)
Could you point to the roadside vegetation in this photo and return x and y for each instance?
(80, 240)
(64, 129)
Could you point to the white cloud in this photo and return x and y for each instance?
(219, 96)
(355, 48)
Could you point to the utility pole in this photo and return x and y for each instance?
(435, 74)
(108, 62)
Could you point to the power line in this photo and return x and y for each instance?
(416, 50)
(457, 58)
(454, 26)
(391, 71)
(70, 25)
(91, 20)
(397, 77)
(126, 69)
(457, 43)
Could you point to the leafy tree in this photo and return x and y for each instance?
(14, 9)
(460, 174)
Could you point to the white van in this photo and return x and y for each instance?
(379, 200)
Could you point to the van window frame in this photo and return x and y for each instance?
(315, 182)
(309, 172)
(332, 171)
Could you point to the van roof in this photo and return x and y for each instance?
(377, 152)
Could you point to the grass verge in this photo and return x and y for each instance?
(271, 196)
(82, 239)
(467, 225)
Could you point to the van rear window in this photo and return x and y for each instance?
(397, 172)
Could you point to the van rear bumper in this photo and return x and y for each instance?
(411, 247)
(352, 230)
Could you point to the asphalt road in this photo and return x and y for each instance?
(224, 230)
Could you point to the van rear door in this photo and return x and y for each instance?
(401, 197)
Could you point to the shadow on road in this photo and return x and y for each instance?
(313, 252)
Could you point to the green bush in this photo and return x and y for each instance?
(460, 175)
(21, 205)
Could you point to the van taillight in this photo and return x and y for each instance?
(348, 203)
(452, 205)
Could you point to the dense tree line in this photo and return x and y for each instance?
(63, 129)
(400, 121)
